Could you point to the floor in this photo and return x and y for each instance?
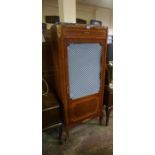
(86, 139)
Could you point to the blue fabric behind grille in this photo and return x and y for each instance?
(84, 61)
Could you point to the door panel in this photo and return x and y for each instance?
(84, 108)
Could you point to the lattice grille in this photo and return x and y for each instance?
(84, 61)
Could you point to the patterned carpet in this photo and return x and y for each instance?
(86, 139)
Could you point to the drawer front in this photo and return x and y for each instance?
(84, 33)
(50, 117)
(83, 109)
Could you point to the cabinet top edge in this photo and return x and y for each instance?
(75, 25)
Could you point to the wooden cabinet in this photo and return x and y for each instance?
(79, 57)
(51, 113)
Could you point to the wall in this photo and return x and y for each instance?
(67, 10)
(87, 12)
(49, 7)
(106, 16)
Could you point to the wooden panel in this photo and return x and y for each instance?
(83, 108)
(83, 32)
(60, 70)
(50, 110)
(49, 101)
(47, 63)
(50, 117)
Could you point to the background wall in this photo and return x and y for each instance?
(87, 12)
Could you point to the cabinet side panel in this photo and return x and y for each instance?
(58, 59)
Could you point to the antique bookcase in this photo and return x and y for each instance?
(79, 58)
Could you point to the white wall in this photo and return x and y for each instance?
(67, 10)
(106, 16)
(87, 12)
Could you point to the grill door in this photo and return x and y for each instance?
(84, 62)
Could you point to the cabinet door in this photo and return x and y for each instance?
(84, 69)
